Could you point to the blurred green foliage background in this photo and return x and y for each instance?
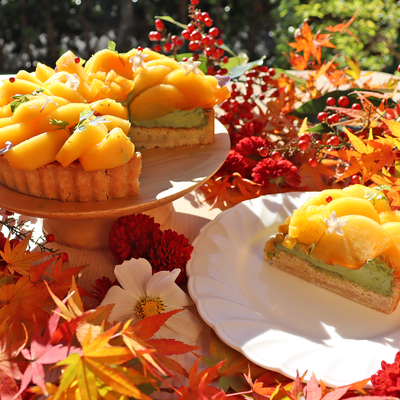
(32, 31)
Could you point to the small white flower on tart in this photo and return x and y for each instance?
(335, 224)
(72, 80)
(191, 66)
(47, 102)
(142, 295)
(137, 60)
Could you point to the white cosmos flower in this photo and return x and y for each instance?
(143, 294)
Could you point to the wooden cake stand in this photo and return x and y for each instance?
(167, 174)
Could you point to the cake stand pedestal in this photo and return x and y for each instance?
(167, 175)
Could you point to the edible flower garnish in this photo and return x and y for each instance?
(8, 147)
(223, 80)
(137, 60)
(191, 66)
(143, 295)
(47, 102)
(72, 80)
(335, 224)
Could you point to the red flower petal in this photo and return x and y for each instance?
(170, 251)
(282, 173)
(132, 236)
(386, 381)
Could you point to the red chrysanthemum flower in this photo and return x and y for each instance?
(248, 147)
(101, 286)
(234, 162)
(386, 381)
(170, 251)
(254, 127)
(281, 173)
(132, 236)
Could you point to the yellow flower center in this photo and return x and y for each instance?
(148, 307)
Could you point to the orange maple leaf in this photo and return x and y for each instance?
(309, 44)
(297, 61)
(21, 303)
(337, 78)
(19, 259)
(199, 384)
(216, 190)
(342, 27)
(62, 279)
(316, 173)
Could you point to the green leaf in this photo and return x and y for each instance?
(315, 106)
(69, 375)
(170, 19)
(371, 195)
(112, 46)
(228, 50)
(59, 123)
(239, 70)
(320, 128)
(236, 382)
(240, 59)
(18, 100)
(38, 91)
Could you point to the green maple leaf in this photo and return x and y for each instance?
(231, 372)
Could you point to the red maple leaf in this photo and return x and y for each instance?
(9, 371)
(199, 384)
(62, 279)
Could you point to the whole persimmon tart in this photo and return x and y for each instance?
(70, 133)
(346, 241)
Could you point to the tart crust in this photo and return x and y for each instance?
(73, 183)
(165, 137)
(303, 269)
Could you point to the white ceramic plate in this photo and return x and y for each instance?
(276, 320)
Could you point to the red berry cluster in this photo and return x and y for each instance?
(202, 38)
(334, 117)
(240, 116)
(169, 43)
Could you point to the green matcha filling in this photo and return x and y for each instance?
(374, 274)
(179, 119)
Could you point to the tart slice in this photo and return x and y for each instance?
(338, 241)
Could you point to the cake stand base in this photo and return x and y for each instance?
(93, 234)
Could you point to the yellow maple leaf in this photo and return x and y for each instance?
(357, 143)
(18, 258)
(394, 126)
(304, 127)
